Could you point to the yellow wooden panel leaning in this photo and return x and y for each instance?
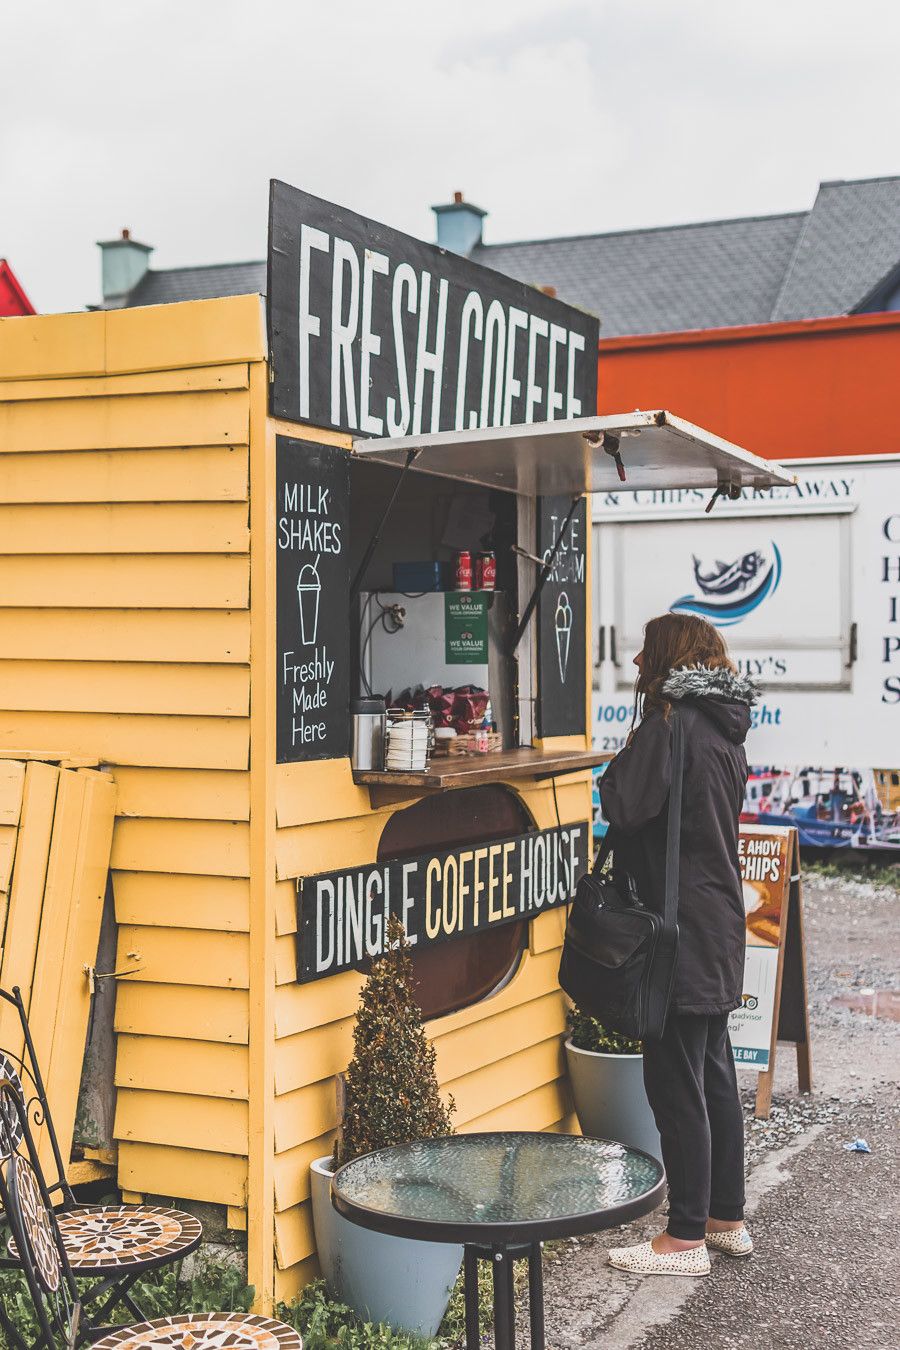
(313, 1055)
(170, 900)
(189, 1173)
(12, 785)
(195, 333)
(488, 1088)
(8, 836)
(123, 738)
(52, 345)
(187, 1012)
(125, 527)
(62, 1070)
(305, 1114)
(202, 636)
(185, 794)
(208, 473)
(182, 1121)
(132, 423)
(208, 847)
(292, 1170)
(125, 687)
(294, 1238)
(169, 1064)
(113, 386)
(27, 894)
(185, 956)
(121, 581)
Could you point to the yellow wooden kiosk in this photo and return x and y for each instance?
(141, 457)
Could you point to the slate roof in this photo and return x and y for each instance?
(840, 257)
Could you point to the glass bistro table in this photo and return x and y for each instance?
(500, 1195)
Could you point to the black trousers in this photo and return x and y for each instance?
(692, 1088)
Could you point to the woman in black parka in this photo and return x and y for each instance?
(689, 1072)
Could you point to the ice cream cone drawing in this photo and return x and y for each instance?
(563, 625)
(309, 588)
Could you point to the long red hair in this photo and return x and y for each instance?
(671, 642)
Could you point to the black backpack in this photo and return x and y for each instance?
(618, 958)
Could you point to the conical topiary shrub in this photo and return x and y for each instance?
(390, 1091)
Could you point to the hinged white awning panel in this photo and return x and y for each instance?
(546, 459)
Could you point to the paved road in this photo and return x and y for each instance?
(825, 1221)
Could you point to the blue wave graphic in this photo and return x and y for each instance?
(726, 615)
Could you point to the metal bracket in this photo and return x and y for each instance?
(94, 975)
(727, 487)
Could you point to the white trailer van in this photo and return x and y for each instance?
(804, 583)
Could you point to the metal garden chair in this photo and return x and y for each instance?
(49, 1276)
(111, 1245)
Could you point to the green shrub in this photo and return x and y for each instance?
(586, 1033)
(391, 1089)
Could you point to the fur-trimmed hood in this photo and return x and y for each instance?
(725, 698)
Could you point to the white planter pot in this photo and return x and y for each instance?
(610, 1100)
(382, 1278)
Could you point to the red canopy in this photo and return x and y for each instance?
(13, 300)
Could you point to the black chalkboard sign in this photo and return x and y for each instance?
(312, 511)
(379, 334)
(562, 621)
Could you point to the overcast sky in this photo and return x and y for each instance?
(557, 118)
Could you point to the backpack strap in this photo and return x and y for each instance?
(673, 825)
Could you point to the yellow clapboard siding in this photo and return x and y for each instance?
(182, 1121)
(125, 527)
(574, 798)
(547, 931)
(113, 386)
(166, 1064)
(125, 687)
(26, 897)
(301, 1006)
(210, 473)
(203, 636)
(285, 960)
(119, 738)
(164, 900)
(490, 1087)
(196, 333)
(289, 1284)
(120, 581)
(185, 956)
(317, 789)
(188, 1173)
(535, 1110)
(294, 1238)
(53, 345)
(305, 1114)
(285, 908)
(185, 794)
(216, 848)
(313, 1055)
(472, 1048)
(307, 849)
(130, 423)
(12, 784)
(292, 1170)
(8, 837)
(186, 1012)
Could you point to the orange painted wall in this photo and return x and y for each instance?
(790, 391)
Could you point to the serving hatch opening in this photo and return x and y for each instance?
(543, 459)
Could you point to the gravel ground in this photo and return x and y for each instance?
(825, 1221)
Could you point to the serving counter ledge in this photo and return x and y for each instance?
(470, 770)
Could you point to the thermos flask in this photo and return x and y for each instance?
(368, 733)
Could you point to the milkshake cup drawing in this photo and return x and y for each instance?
(308, 591)
(563, 625)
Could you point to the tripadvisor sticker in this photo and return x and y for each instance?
(466, 628)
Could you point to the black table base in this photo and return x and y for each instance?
(501, 1258)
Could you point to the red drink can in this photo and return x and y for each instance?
(464, 570)
(485, 572)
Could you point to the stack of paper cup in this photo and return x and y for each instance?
(408, 741)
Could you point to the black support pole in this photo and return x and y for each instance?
(536, 1296)
(504, 1305)
(470, 1285)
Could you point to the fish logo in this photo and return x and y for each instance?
(731, 591)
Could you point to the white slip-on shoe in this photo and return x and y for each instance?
(643, 1260)
(733, 1242)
